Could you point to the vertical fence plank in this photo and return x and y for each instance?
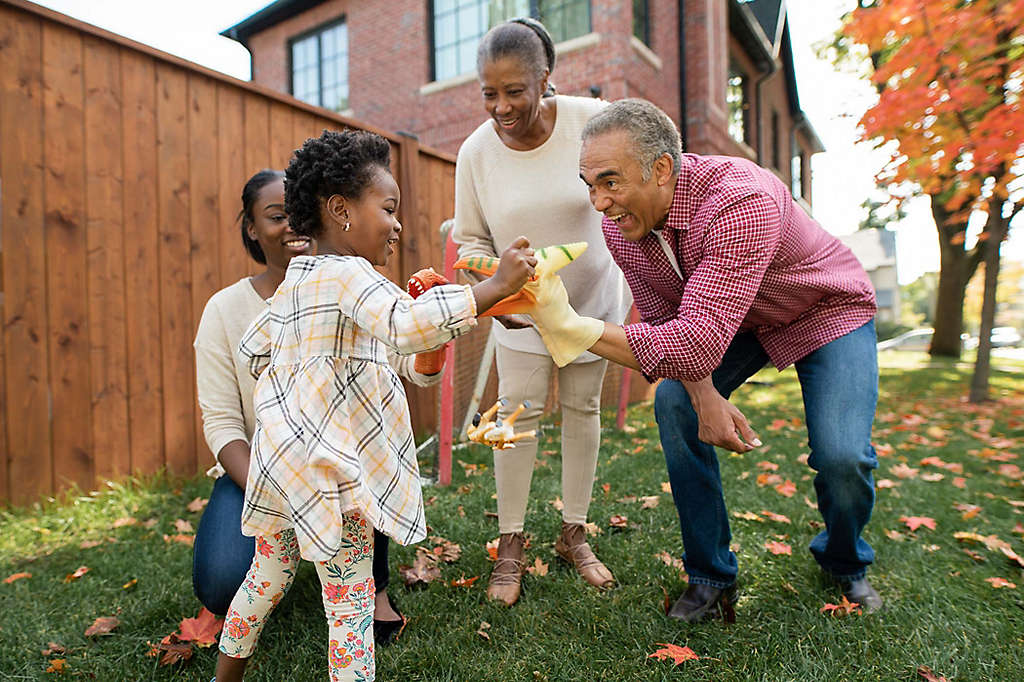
(64, 215)
(204, 214)
(256, 142)
(142, 255)
(282, 136)
(231, 176)
(24, 257)
(175, 268)
(105, 247)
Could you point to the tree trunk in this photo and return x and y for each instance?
(996, 228)
(956, 265)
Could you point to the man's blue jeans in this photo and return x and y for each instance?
(839, 382)
(221, 554)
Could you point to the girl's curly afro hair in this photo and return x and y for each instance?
(342, 163)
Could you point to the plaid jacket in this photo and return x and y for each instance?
(333, 432)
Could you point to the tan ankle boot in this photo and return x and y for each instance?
(507, 576)
(573, 547)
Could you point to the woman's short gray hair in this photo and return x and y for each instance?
(651, 130)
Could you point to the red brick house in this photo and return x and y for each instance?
(724, 67)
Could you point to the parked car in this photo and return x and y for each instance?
(1001, 337)
(915, 339)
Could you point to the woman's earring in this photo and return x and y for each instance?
(348, 226)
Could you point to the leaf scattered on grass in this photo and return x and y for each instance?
(676, 654)
(618, 521)
(666, 487)
(463, 581)
(58, 666)
(53, 648)
(102, 626)
(844, 608)
(130, 584)
(124, 521)
(171, 650)
(765, 465)
(772, 516)
(768, 479)
(484, 626)
(424, 569)
(884, 483)
(915, 522)
(197, 504)
(557, 504)
(592, 528)
(776, 547)
(180, 537)
(969, 510)
(894, 535)
(204, 629)
(1012, 556)
(183, 526)
(786, 489)
(79, 572)
(960, 482)
(748, 516)
(672, 562)
(492, 549)
(903, 471)
(926, 674)
(649, 501)
(1000, 582)
(538, 569)
(16, 576)
(445, 550)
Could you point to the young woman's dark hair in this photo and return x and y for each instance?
(335, 163)
(245, 217)
(525, 39)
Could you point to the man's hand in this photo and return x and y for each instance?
(721, 423)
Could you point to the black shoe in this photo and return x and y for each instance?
(701, 602)
(385, 631)
(861, 592)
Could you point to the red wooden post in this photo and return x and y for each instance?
(444, 438)
(624, 383)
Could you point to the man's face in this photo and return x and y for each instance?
(617, 188)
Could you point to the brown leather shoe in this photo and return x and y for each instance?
(507, 576)
(573, 547)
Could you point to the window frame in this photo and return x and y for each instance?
(534, 12)
(318, 31)
(745, 104)
(646, 37)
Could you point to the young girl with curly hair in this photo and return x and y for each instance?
(333, 454)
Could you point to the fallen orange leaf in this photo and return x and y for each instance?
(666, 487)
(677, 654)
(781, 518)
(183, 526)
(767, 466)
(79, 572)
(844, 608)
(130, 584)
(768, 479)
(1000, 582)
(884, 483)
(102, 626)
(464, 581)
(915, 522)
(182, 538)
(492, 549)
(649, 501)
(778, 547)
(124, 521)
(57, 665)
(204, 629)
(960, 482)
(903, 471)
(606, 487)
(16, 576)
(786, 489)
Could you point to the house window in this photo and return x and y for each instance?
(739, 105)
(641, 22)
(460, 24)
(320, 66)
(797, 173)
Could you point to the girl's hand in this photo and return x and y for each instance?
(515, 267)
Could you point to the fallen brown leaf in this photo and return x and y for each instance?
(538, 569)
(171, 650)
(179, 537)
(102, 626)
(52, 648)
(618, 521)
(423, 570)
(124, 521)
(649, 501)
(484, 625)
(666, 487)
(197, 504)
(557, 504)
(926, 674)
(183, 526)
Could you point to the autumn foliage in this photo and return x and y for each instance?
(947, 73)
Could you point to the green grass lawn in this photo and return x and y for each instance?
(941, 612)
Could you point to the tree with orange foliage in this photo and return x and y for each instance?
(949, 77)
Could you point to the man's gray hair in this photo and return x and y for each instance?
(649, 128)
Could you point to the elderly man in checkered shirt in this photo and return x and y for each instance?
(728, 274)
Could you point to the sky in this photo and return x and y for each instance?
(843, 175)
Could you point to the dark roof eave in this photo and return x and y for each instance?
(272, 14)
(750, 34)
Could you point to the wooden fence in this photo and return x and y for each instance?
(121, 169)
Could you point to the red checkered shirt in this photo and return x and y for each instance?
(751, 260)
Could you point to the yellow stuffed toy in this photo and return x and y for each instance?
(565, 333)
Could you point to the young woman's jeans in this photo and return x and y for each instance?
(222, 555)
(839, 382)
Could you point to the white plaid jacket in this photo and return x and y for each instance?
(333, 432)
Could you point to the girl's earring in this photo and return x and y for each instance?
(348, 226)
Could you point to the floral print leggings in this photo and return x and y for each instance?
(347, 591)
